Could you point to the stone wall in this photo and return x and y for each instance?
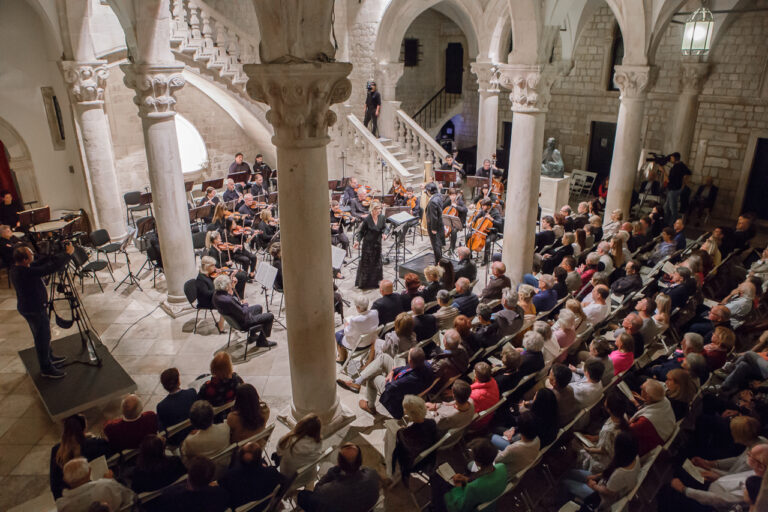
(223, 137)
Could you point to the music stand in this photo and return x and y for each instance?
(401, 221)
(445, 177)
(476, 182)
(239, 177)
(203, 212)
(386, 199)
(124, 249)
(214, 183)
(142, 229)
(453, 222)
(265, 276)
(332, 184)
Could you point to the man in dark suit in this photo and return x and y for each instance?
(250, 479)
(456, 201)
(466, 267)
(246, 316)
(434, 218)
(453, 361)
(356, 207)
(497, 282)
(259, 188)
(703, 199)
(510, 319)
(174, 408)
(488, 330)
(424, 326)
(546, 236)
(349, 192)
(406, 380)
(631, 282)
(389, 305)
(464, 300)
(681, 289)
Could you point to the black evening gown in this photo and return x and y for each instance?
(369, 271)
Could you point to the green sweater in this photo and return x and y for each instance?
(485, 488)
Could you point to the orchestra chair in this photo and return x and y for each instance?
(250, 332)
(133, 205)
(190, 290)
(85, 268)
(103, 244)
(198, 243)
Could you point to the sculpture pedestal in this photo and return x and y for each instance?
(554, 194)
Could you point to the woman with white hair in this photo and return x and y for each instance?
(413, 439)
(533, 358)
(365, 322)
(565, 331)
(550, 349)
(525, 295)
(613, 227)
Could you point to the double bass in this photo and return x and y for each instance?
(480, 228)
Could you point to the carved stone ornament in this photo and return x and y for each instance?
(530, 86)
(155, 87)
(487, 76)
(300, 96)
(692, 76)
(634, 81)
(86, 80)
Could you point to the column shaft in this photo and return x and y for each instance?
(487, 125)
(626, 152)
(522, 193)
(683, 124)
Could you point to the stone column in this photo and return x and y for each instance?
(530, 97)
(86, 81)
(155, 85)
(633, 83)
(299, 96)
(387, 76)
(692, 78)
(488, 111)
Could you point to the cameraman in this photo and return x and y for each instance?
(372, 108)
(678, 177)
(32, 301)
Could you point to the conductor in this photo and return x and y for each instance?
(32, 301)
(434, 214)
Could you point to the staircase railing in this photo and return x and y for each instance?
(365, 154)
(415, 141)
(436, 107)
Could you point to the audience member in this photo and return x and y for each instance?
(485, 393)
(446, 314)
(174, 408)
(465, 301)
(127, 432)
(200, 493)
(456, 414)
(596, 458)
(567, 406)
(154, 468)
(665, 248)
(496, 283)
(598, 310)
(365, 322)
(525, 295)
(451, 362)
(465, 266)
(424, 325)
(220, 388)
(432, 274)
(75, 442)
(249, 478)
(546, 298)
(487, 331)
(206, 439)
(654, 421)
(631, 282)
(419, 435)
(624, 356)
(389, 305)
(716, 352)
(300, 447)
(83, 489)
(691, 343)
(681, 389)
(249, 415)
(520, 454)
(510, 319)
(573, 280)
(588, 391)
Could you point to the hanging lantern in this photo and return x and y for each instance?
(697, 35)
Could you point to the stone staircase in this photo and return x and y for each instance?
(414, 169)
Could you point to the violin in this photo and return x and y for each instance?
(226, 246)
(480, 227)
(449, 210)
(412, 202)
(241, 230)
(340, 214)
(223, 271)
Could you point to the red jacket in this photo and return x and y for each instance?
(646, 435)
(484, 395)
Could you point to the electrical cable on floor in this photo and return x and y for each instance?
(131, 326)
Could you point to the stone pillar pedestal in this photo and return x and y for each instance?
(692, 77)
(387, 76)
(87, 81)
(155, 86)
(633, 82)
(488, 111)
(300, 116)
(530, 97)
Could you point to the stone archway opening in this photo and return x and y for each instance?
(20, 168)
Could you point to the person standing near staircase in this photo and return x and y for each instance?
(372, 108)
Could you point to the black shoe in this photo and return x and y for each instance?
(266, 343)
(53, 373)
(58, 359)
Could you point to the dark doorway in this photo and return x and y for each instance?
(502, 158)
(454, 67)
(601, 140)
(754, 197)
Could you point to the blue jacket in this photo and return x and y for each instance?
(545, 300)
(466, 304)
(406, 381)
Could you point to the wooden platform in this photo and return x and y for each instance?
(84, 386)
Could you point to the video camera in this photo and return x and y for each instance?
(369, 85)
(656, 158)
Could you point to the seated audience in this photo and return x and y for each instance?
(544, 410)
(598, 310)
(496, 282)
(465, 266)
(346, 487)
(682, 287)
(692, 343)
(716, 352)
(561, 287)
(249, 415)
(452, 361)
(465, 301)
(508, 375)
(424, 325)
(596, 458)
(573, 279)
(567, 406)
(624, 356)
(533, 358)
(246, 316)
(599, 350)
(717, 316)
(520, 454)
(565, 332)
(607, 264)
(249, 478)
(469, 338)
(631, 282)
(588, 391)
(398, 340)
(155, 469)
(486, 331)
(83, 489)
(456, 414)
(588, 269)
(412, 289)
(633, 325)
(206, 439)
(75, 442)
(510, 318)
(432, 274)
(365, 322)
(654, 421)
(664, 248)
(485, 393)
(612, 227)
(127, 432)
(389, 305)
(446, 313)
(419, 435)
(551, 348)
(525, 295)
(174, 408)
(546, 298)
(299, 447)
(680, 391)
(747, 367)
(199, 493)
(220, 388)
(740, 302)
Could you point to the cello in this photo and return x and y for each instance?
(449, 210)
(480, 228)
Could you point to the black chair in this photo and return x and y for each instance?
(198, 244)
(7, 269)
(251, 332)
(190, 290)
(103, 244)
(85, 268)
(133, 205)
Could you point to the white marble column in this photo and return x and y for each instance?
(387, 75)
(300, 116)
(692, 77)
(155, 85)
(530, 97)
(633, 83)
(86, 81)
(488, 111)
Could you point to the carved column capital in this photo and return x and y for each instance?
(86, 80)
(487, 76)
(155, 86)
(530, 86)
(634, 82)
(300, 96)
(692, 76)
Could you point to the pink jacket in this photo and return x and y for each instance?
(484, 395)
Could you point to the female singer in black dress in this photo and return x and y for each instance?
(373, 230)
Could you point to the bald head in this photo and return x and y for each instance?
(385, 287)
(417, 305)
(498, 268)
(719, 313)
(131, 407)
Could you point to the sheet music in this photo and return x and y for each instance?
(668, 268)
(625, 389)
(98, 468)
(402, 217)
(584, 440)
(265, 274)
(337, 256)
(446, 471)
(694, 471)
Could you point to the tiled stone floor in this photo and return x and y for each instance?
(153, 342)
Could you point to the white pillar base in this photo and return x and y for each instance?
(176, 309)
(554, 194)
(341, 419)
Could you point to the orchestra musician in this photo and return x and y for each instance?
(485, 193)
(338, 219)
(277, 262)
(413, 203)
(262, 169)
(265, 229)
(204, 284)
(434, 217)
(373, 230)
(248, 207)
(260, 188)
(349, 192)
(226, 254)
(455, 199)
(489, 210)
(449, 164)
(356, 207)
(238, 165)
(486, 170)
(210, 198)
(218, 221)
(398, 191)
(233, 192)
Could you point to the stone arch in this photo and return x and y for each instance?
(20, 161)
(401, 13)
(47, 13)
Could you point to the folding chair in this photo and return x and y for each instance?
(366, 340)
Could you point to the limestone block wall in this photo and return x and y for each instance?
(223, 137)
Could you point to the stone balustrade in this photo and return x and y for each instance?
(416, 142)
